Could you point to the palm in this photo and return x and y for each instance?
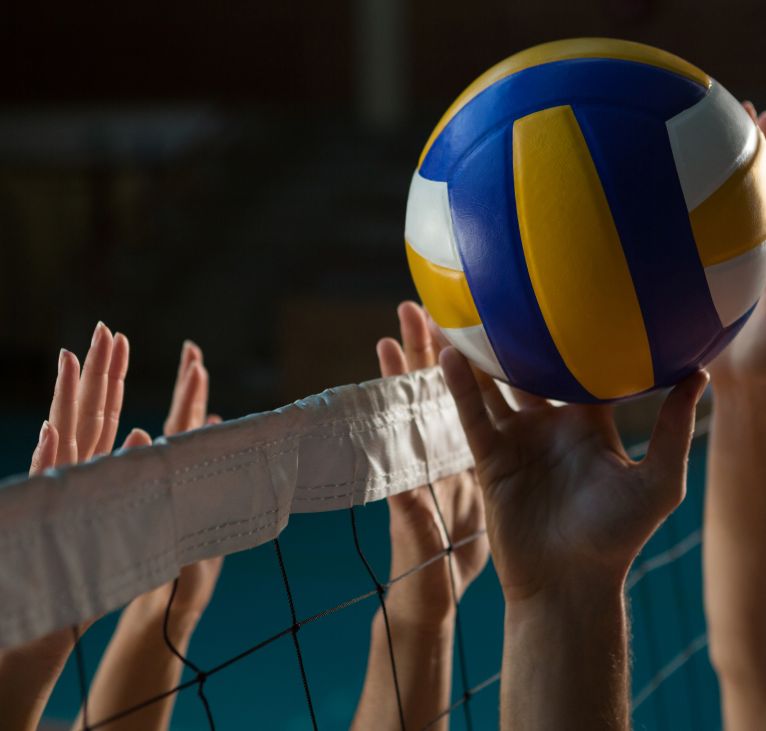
(423, 524)
(559, 490)
(459, 498)
(417, 535)
(551, 494)
(188, 410)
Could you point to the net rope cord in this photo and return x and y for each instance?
(393, 405)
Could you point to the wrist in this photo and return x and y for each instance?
(575, 594)
(550, 637)
(411, 625)
(571, 585)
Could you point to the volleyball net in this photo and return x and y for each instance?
(83, 541)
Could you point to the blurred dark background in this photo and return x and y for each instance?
(237, 172)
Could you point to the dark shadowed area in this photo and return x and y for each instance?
(237, 173)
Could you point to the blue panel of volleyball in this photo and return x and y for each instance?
(587, 220)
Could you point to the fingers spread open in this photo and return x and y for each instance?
(481, 435)
(669, 446)
(391, 358)
(190, 407)
(63, 414)
(94, 384)
(118, 369)
(44, 455)
(416, 338)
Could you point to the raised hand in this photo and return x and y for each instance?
(561, 494)
(744, 360)
(567, 512)
(417, 533)
(188, 410)
(83, 421)
(735, 512)
(420, 607)
(138, 663)
(85, 410)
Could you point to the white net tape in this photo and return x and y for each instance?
(82, 541)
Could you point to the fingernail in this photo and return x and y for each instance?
(98, 332)
(62, 353)
(44, 431)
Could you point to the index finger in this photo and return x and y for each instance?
(481, 435)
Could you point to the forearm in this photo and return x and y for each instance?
(423, 658)
(138, 665)
(735, 547)
(27, 677)
(565, 661)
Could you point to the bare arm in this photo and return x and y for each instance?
(424, 671)
(83, 421)
(567, 512)
(138, 664)
(565, 660)
(735, 550)
(735, 518)
(421, 607)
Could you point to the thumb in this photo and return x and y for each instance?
(461, 381)
(44, 455)
(668, 450)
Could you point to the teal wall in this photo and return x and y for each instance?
(265, 690)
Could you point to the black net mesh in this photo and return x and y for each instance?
(667, 639)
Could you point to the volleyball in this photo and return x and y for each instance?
(587, 220)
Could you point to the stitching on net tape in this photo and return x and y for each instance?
(84, 539)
